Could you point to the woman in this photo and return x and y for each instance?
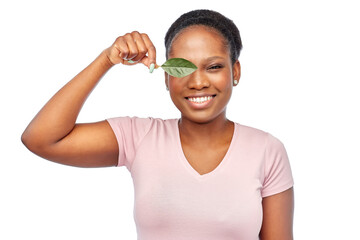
(198, 177)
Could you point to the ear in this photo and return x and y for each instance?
(167, 80)
(236, 72)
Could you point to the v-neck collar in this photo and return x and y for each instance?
(186, 163)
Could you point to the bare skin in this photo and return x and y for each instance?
(54, 134)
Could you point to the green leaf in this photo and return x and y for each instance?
(178, 67)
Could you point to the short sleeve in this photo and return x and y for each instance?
(278, 176)
(129, 132)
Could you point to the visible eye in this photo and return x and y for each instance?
(215, 67)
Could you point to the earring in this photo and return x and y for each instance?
(235, 82)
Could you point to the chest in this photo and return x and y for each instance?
(172, 199)
(206, 206)
(204, 159)
(170, 196)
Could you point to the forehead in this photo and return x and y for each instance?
(199, 38)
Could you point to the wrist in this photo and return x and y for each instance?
(106, 60)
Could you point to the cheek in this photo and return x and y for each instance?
(223, 82)
(175, 89)
(173, 85)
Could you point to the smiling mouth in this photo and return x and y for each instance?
(200, 99)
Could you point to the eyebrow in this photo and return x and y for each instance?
(214, 58)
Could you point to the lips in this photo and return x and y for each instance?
(200, 101)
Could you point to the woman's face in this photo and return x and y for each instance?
(203, 95)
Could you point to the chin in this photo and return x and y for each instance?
(202, 118)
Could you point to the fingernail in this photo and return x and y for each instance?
(152, 67)
(130, 61)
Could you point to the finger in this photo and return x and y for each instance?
(131, 45)
(123, 48)
(151, 50)
(140, 45)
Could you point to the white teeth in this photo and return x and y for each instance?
(200, 99)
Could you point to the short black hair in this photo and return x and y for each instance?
(209, 18)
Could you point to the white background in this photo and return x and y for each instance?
(300, 74)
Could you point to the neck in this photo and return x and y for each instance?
(213, 131)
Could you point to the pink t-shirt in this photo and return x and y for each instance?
(173, 201)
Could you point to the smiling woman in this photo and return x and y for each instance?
(198, 177)
(213, 80)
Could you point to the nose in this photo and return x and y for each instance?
(197, 80)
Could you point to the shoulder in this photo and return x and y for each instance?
(257, 137)
(276, 169)
(141, 120)
(139, 123)
(251, 133)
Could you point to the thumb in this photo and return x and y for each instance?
(150, 63)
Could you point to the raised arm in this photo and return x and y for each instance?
(53, 133)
